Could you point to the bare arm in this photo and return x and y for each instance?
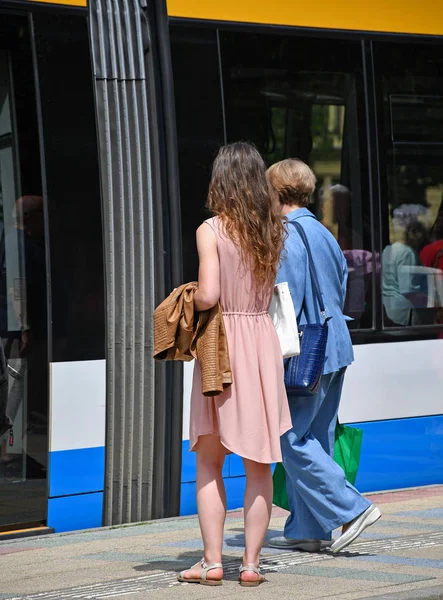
(208, 292)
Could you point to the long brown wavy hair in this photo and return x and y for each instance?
(240, 195)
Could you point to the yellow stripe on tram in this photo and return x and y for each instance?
(65, 2)
(396, 16)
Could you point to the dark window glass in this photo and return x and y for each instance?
(302, 97)
(199, 127)
(410, 79)
(74, 205)
(23, 302)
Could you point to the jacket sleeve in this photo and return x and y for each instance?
(293, 270)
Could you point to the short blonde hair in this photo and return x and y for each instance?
(293, 181)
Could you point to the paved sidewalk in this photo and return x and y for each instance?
(399, 558)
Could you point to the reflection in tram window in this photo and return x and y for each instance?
(412, 143)
(431, 256)
(23, 310)
(302, 98)
(335, 210)
(73, 198)
(405, 288)
(198, 138)
(29, 306)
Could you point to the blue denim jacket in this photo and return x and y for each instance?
(332, 273)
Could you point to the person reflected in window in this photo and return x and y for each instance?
(5, 420)
(335, 211)
(404, 288)
(26, 346)
(320, 498)
(431, 255)
(335, 214)
(30, 227)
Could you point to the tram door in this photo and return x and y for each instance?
(23, 306)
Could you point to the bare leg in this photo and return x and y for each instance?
(258, 506)
(211, 502)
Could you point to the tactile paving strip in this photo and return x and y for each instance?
(273, 563)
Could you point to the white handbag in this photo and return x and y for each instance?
(285, 322)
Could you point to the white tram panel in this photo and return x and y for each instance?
(394, 380)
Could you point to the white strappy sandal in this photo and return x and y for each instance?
(253, 569)
(203, 580)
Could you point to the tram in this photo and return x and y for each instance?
(110, 115)
(358, 95)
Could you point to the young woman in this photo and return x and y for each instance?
(239, 250)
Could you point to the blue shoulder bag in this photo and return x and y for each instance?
(303, 372)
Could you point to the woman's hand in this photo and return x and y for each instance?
(208, 292)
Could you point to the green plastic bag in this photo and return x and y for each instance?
(280, 496)
(347, 450)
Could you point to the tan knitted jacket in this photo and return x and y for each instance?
(182, 334)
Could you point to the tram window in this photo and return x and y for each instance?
(23, 298)
(199, 127)
(301, 97)
(411, 136)
(74, 206)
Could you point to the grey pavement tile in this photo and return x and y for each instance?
(390, 524)
(14, 549)
(374, 536)
(235, 542)
(355, 574)
(285, 587)
(35, 583)
(429, 593)
(374, 592)
(228, 545)
(127, 531)
(229, 590)
(429, 513)
(128, 557)
(403, 560)
(431, 552)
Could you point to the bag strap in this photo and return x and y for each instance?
(312, 270)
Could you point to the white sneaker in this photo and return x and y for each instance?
(357, 526)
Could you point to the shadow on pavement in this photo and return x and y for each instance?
(187, 560)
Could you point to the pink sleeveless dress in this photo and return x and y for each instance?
(252, 414)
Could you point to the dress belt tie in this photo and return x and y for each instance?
(246, 314)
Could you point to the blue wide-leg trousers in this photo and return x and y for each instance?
(320, 498)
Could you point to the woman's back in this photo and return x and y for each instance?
(239, 291)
